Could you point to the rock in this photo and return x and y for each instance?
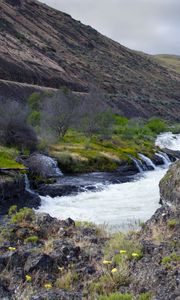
(9, 259)
(56, 294)
(173, 154)
(157, 160)
(4, 292)
(43, 166)
(39, 262)
(170, 185)
(13, 192)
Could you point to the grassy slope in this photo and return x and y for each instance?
(77, 153)
(170, 61)
(8, 158)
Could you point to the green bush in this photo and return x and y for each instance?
(145, 296)
(157, 125)
(172, 223)
(31, 239)
(23, 215)
(116, 296)
(12, 210)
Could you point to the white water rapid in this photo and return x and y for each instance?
(120, 206)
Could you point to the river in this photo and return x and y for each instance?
(118, 206)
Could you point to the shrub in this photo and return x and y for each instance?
(172, 223)
(116, 296)
(12, 210)
(23, 215)
(157, 125)
(145, 296)
(67, 280)
(31, 239)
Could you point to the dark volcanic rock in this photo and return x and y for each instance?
(39, 262)
(13, 192)
(56, 294)
(43, 166)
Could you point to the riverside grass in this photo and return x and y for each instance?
(77, 153)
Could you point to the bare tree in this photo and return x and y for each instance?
(58, 114)
(95, 116)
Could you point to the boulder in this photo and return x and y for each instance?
(43, 166)
(39, 262)
(170, 185)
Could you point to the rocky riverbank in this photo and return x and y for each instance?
(45, 258)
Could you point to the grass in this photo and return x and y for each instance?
(170, 61)
(77, 154)
(8, 158)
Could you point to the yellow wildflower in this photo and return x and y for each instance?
(106, 262)
(122, 251)
(28, 278)
(48, 285)
(113, 270)
(61, 268)
(134, 254)
(11, 248)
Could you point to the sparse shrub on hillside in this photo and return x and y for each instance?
(95, 117)
(157, 125)
(14, 128)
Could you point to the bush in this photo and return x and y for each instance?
(31, 239)
(14, 128)
(23, 215)
(172, 223)
(145, 296)
(157, 125)
(12, 210)
(116, 296)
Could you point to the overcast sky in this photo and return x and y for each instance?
(152, 26)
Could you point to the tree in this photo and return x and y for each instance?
(95, 117)
(14, 129)
(58, 114)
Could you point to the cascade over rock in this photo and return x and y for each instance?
(43, 166)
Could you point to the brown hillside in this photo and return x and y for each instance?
(42, 46)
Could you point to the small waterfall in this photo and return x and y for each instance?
(148, 162)
(27, 185)
(165, 158)
(138, 164)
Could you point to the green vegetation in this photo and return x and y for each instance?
(145, 296)
(77, 153)
(172, 223)
(31, 239)
(174, 257)
(119, 250)
(23, 215)
(8, 158)
(116, 296)
(170, 61)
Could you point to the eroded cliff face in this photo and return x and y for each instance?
(170, 185)
(42, 46)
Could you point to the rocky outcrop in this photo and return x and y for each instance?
(55, 265)
(170, 185)
(13, 192)
(45, 47)
(43, 166)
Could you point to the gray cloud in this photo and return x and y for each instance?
(152, 26)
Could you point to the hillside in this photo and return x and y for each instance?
(42, 46)
(170, 61)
